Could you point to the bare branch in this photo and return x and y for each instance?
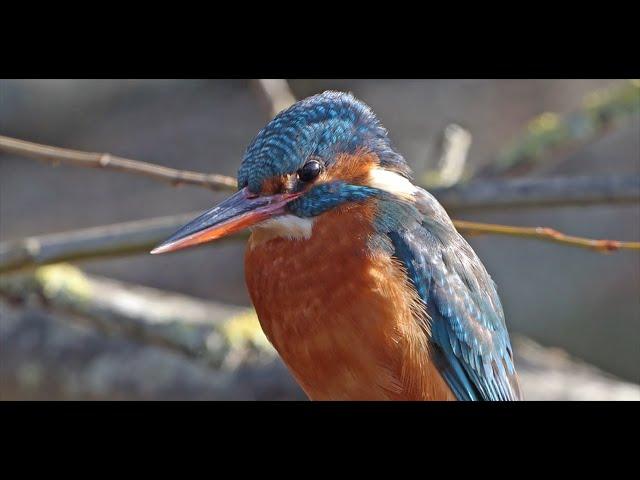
(274, 94)
(540, 192)
(453, 148)
(543, 233)
(106, 241)
(111, 162)
(527, 192)
(141, 236)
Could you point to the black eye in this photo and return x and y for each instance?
(309, 171)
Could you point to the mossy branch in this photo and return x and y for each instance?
(553, 134)
(146, 343)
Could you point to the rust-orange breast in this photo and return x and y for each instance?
(344, 319)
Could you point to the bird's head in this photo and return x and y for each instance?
(320, 154)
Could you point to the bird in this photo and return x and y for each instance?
(358, 276)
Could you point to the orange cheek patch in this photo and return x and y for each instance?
(352, 168)
(277, 184)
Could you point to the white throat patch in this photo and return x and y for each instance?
(286, 226)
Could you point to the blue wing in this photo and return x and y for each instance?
(472, 347)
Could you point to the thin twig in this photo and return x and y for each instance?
(111, 162)
(544, 233)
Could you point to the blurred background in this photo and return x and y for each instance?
(180, 326)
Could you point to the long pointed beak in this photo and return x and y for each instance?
(239, 211)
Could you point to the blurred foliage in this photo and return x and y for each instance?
(549, 132)
(244, 331)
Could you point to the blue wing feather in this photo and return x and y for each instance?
(473, 350)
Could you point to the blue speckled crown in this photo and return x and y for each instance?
(323, 125)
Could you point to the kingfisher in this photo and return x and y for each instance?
(358, 277)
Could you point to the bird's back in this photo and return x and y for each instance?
(471, 343)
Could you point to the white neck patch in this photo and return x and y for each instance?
(287, 226)
(391, 182)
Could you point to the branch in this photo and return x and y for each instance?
(528, 192)
(130, 238)
(601, 110)
(111, 162)
(543, 233)
(114, 240)
(553, 374)
(551, 134)
(198, 329)
(540, 192)
(274, 94)
(201, 348)
(136, 237)
(452, 157)
(143, 343)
